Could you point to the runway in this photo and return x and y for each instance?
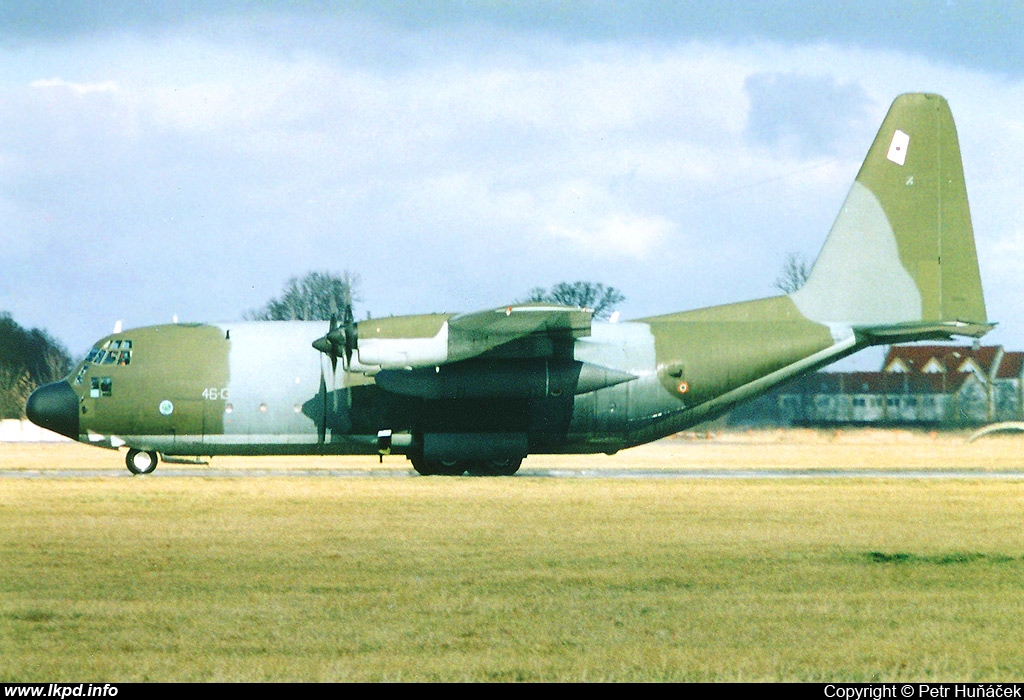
(199, 472)
(790, 454)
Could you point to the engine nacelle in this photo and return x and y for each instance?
(403, 342)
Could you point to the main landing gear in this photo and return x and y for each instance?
(140, 462)
(475, 467)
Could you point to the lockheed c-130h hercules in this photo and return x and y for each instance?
(478, 392)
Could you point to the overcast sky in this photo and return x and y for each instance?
(186, 159)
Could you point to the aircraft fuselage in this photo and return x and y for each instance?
(259, 387)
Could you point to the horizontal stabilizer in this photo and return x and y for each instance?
(910, 332)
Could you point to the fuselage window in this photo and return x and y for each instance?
(100, 386)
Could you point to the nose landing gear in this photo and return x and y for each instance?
(140, 461)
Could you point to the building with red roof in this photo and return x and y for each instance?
(923, 385)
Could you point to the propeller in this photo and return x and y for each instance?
(340, 341)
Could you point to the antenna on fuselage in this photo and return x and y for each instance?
(117, 326)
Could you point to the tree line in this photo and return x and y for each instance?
(28, 359)
(317, 296)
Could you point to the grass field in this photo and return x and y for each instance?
(313, 578)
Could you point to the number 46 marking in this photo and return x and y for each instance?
(215, 394)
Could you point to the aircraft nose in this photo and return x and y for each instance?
(54, 407)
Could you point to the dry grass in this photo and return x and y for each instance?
(314, 578)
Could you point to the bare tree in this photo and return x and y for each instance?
(795, 272)
(595, 296)
(316, 296)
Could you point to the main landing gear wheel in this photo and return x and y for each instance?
(489, 467)
(494, 467)
(437, 467)
(140, 462)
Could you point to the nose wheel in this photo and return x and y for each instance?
(140, 461)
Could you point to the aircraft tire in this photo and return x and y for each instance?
(454, 468)
(140, 461)
(495, 467)
(437, 467)
(420, 465)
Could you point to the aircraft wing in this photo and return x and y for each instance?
(513, 352)
(472, 334)
(411, 342)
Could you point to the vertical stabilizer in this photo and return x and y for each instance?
(901, 252)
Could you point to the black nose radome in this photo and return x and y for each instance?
(54, 407)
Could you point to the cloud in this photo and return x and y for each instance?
(1006, 255)
(454, 159)
(77, 88)
(617, 236)
(983, 36)
(805, 114)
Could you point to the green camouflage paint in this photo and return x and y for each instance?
(181, 364)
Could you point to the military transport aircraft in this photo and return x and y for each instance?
(478, 392)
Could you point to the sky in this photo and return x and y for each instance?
(184, 160)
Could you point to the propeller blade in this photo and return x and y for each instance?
(332, 343)
(351, 334)
(321, 428)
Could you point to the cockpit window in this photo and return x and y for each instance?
(112, 352)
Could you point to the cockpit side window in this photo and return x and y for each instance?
(100, 386)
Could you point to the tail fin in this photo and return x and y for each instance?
(900, 260)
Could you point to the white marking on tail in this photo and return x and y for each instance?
(898, 148)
